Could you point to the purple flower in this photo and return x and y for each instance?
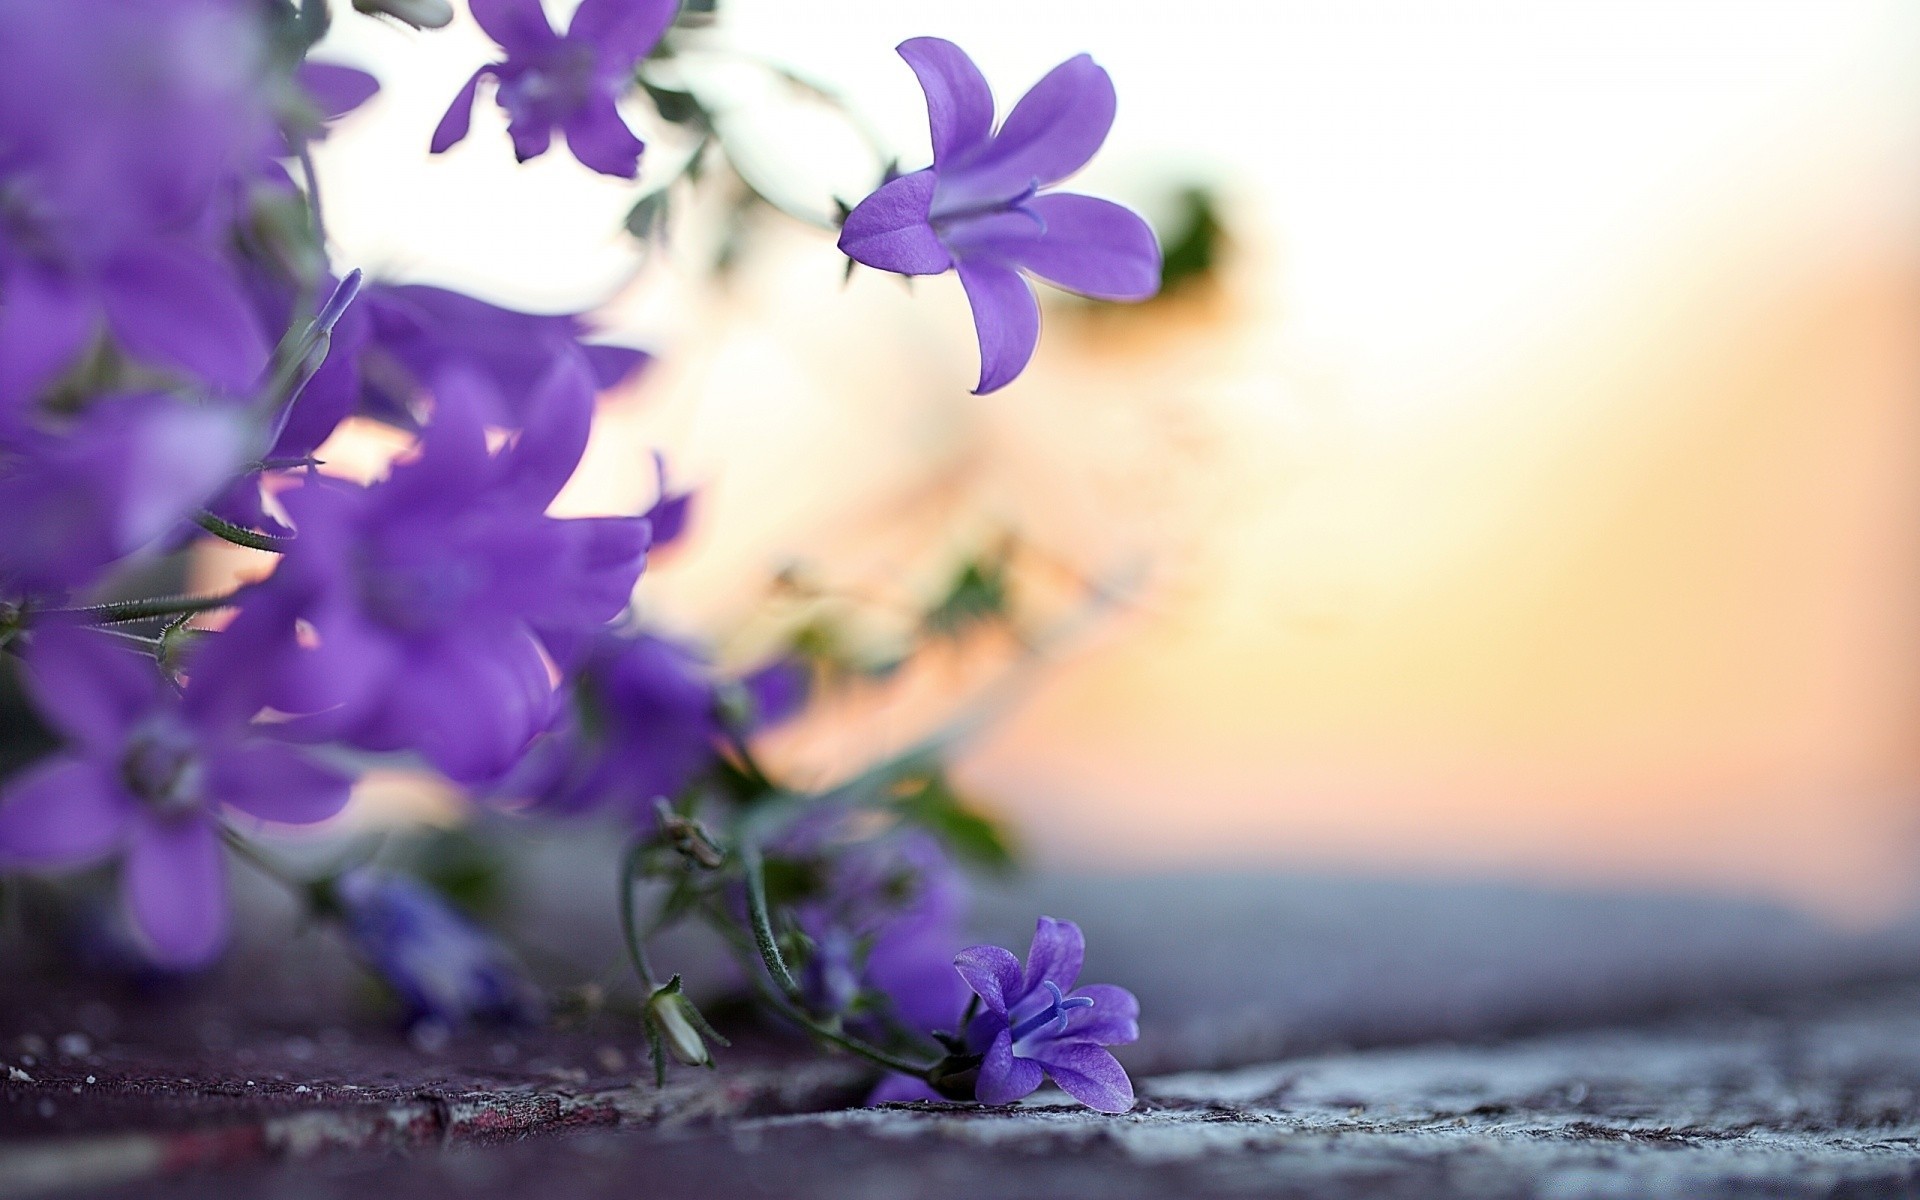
(146, 773)
(646, 719)
(414, 614)
(1035, 1024)
(564, 81)
(443, 967)
(979, 209)
(125, 126)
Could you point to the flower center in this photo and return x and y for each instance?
(1055, 1013)
(162, 768)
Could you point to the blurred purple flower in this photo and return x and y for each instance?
(646, 719)
(119, 477)
(1034, 1023)
(567, 81)
(978, 208)
(410, 615)
(145, 776)
(443, 967)
(124, 126)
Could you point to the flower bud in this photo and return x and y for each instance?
(675, 1019)
(421, 14)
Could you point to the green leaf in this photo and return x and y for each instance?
(930, 802)
(978, 593)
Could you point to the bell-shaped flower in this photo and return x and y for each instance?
(146, 775)
(981, 209)
(567, 81)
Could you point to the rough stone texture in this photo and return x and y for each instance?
(1418, 1040)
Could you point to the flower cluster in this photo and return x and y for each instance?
(178, 347)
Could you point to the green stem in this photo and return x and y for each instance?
(845, 1041)
(763, 938)
(240, 535)
(636, 945)
(122, 611)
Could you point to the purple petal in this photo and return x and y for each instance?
(623, 31)
(779, 690)
(1088, 1073)
(1050, 134)
(336, 90)
(889, 230)
(1114, 1019)
(531, 135)
(91, 687)
(1006, 317)
(1094, 247)
(1004, 1078)
(469, 706)
(558, 421)
(601, 140)
(1055, 956)
(44, 324)
(175, 887)
(959, 102)
(459, 115)
(182, 309)
(62, 812)
(898, 1089)
(520, 26)
(993, 973)
(614, 365)
(276, 783)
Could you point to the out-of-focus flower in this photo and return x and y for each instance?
(444, 968)
(567, 81)
(410, 615)
(647, 718)
(1034, 1023)
(979, 208)
(146, 773)
(125, 125)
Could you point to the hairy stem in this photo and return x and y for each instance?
(240, 535)
(122, 611)
(763, 938)
(629, 927)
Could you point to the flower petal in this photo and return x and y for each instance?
(92, 687)
(175, 886)
(900, 1089)
(1006, 318)
(62, 812)
(1114, 1019)
(601, 140)
(1055, 956)
(959, 102)
(276, 783)
(889, 229)
(1094, 247)
(519, 26)
(1050, 134)
(558, 421)
(614, 365)
(993, 973)
(335, 89)
(44, 324)
(1004, 1078)
(1088, 1073)
(459, 115)
(182, 309)
(623, 31)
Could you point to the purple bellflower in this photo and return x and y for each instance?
(568, 81)
(414, 615)
(145, 776)
(1035, 1023)
(980, 210)
(444, 968)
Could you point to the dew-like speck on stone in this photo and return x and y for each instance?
(302, 1089)
(16, 1075)
(91, 1079)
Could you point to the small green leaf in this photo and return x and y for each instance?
(647, 220)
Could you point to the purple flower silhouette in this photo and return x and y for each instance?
(443, 967)
(411, 615)
(564, 81)
(979, 209)
(146, 773)
(1034, 1023)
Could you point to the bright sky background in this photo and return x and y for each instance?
(1537, 497)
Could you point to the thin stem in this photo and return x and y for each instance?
(313, 199)
(123, 611)
(763, 924)
(240, 535)
(259, 860)
(629, 927)
(845, 1041)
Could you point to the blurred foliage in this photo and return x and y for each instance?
(930, 801)
(1193, 242)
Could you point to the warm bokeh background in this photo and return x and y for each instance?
(1534, 492)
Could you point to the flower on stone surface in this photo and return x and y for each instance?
(443, 967)
(980, 209)
(415, 614)
(1035, 1023)
(146, 774)
(568, 81)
